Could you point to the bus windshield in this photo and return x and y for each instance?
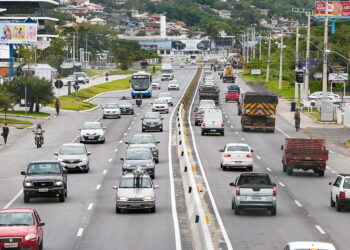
(141, 83)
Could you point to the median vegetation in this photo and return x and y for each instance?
(22, 113)
(15, 121)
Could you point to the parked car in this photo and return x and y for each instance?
(135, 191)
(92, 132)
(126, 106)
(21, 228)
(152, 121)
(160, 105)
(254, 190)
(340, 193)
(74, 156)
(145, 141)
(173, 85)
(155, 85)
(167, 95)
(82, 77)
(139, 157)
(111, 110)
(213, 122)
(236, 155)
(44, 179)
(312, 245)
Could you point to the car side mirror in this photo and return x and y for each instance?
(273, 184)
(142, 119)
(252, 150)
(157, 142)
(115, 187)
(89, 153)
(23, 172)
(156, 186)
(41, 224)
(122, 159)
(330, 183)
(102, 108)
(221, 150)
(162, 118)
(232, 184)
(79, 128)
(195, 110)
(56, 154)
(104, 127)
(282, 147)
(126, 142)
(65, 171)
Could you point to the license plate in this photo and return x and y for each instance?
(212, 130)
(135, 204)
(238, 162)
(91, 137)
(258, 198)
(10, 245)
(43, 190)
(151, 126)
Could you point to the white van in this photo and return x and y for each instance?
(213, 122)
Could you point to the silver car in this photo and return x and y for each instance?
(135, 191)
(139, 158)
(111, 110)
(155, 85)
(74, 156)
(160, 105)
(145, 141)
(167, 95)
(92, 132)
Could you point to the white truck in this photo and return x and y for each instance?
(167, 72)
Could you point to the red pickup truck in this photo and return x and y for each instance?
(304, 154)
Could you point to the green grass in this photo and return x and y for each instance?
(94, 72)
(14, 121)
(69, 103)
(287, 91)
(29, 114)
(122, 72)
(317, 115)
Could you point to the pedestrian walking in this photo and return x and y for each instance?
(5, 132)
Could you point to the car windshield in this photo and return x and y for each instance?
(237, 148)
(44, 168)
(92, 125)
(125, 102)
(346, 183)
(160, 101)
(153, 115)
(16, 219)
(138, 155)
(142, 139)
(133, 182)
(79, 74)
(164, 95)
(111, 106)
(72, 150)
(173, 82)
(232, 92)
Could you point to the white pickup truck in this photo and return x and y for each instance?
(254, 190)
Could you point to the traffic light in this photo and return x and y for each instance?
(299, 76)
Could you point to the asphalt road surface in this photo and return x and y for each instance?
(87, 219)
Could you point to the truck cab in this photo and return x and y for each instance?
(167, 72)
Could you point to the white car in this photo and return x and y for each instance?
(155, 85)
(207, 103)
(111, 110)
(340, 194)
(160, 105)
(173, 85)
(193, 62)
(236, 155)
(168, 97)
(182, 65)
(298, 245)
(92, 132)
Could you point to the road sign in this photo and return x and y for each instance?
(59, 84)
(76, 87)
(255, 71)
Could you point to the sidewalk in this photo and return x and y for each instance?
(14, 134)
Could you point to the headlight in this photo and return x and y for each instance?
(123, 199)
(148, 165)
(30, 236)
(127, 165)
(27, 184)
(59, 159)
(148, 198)
(58, 183)
(84, 159)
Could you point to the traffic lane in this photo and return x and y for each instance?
(159, 223)
(279, 227)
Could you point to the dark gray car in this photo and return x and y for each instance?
(126, 107)
(152, 121)
(139, 157)
(145, 141)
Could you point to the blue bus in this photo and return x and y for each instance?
(141, 84)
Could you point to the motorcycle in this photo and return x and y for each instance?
(38, 140)
(138, 102)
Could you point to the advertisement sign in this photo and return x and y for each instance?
(190, 45)
(255, 71)
(340, 8)
(338, 77)
(18, 33)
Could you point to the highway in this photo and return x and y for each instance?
(87, 219)
(303, 200)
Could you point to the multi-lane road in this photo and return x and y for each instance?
(87, 220)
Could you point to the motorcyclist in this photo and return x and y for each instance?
(39, 131)
(297, 118)
(57, 105)
(138, 100)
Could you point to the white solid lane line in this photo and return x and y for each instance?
(133, 122)
(281, 184)
(342, 156)
(110, 159)
(90, 206)
(104, 171)
(13, 199)
(258, 157)
(268, 169)
(319, 228)
(298, 203)
(80, 232)
(283, 132)
(98, 186)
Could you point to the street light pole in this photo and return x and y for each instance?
(325, 45)
(307, 62)
(296, 85)
(268, 59)
(260, 47)
(281, 62)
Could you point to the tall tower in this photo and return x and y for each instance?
(163, 26)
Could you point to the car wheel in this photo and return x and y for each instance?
(222, 133)
(157, 160)
(339, 207)
(250, 168)
(62, 198)
(332, 202)
(320, 173)
(290, 171)
(153, 209)
(284, 167)
(103, 141)
(233, 206)
(237, 210)
(117, 210)
(26, 199)
(104, 117)
(118, 116)
(152, 176)
(273, 211)
(143, 130)
(161, 130)
(66, 193)
(41, 246)
(202, 132)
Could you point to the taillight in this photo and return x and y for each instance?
(222, 124)
(249, 156)
(198, 113)
(238, 191)
(203, 124)
(227, 155)
(274, 191)
(342, 195)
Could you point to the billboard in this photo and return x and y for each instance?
(338, 77)
(18, 33)
(339, 8)
(191, 45)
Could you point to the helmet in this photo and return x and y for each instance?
(38, 125)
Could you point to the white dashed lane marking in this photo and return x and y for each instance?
(110, 159)
(242, 139)
(268, 169)
(133, 122)
(115, 150)
(281, 184)
(98, 186)
(90, 206)
(80, 232)
(298, 203)
(333, 172)
(125, 134)
(231, 126)
(236, 133)
(258, 157)
(104, 171)
(121, 141)
(319, 228)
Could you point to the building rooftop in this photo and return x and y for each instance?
(31, 1)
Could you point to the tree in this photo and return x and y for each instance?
(124, 57)
(6, 99)
(141, 33)
(212, 31)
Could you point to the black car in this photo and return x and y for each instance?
(234, 87)
(126, 107)
(44, 179)
(152, 121)
(178, 45)
(203, 45)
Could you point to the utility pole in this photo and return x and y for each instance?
(268, 59)
(325, 46)
(281, 62)
(74, 47)
(253, 38)
(247, 39)
(260, 47)
(296, 93)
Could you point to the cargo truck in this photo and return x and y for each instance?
(228, 74)
(167, 72)
(209, 91)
